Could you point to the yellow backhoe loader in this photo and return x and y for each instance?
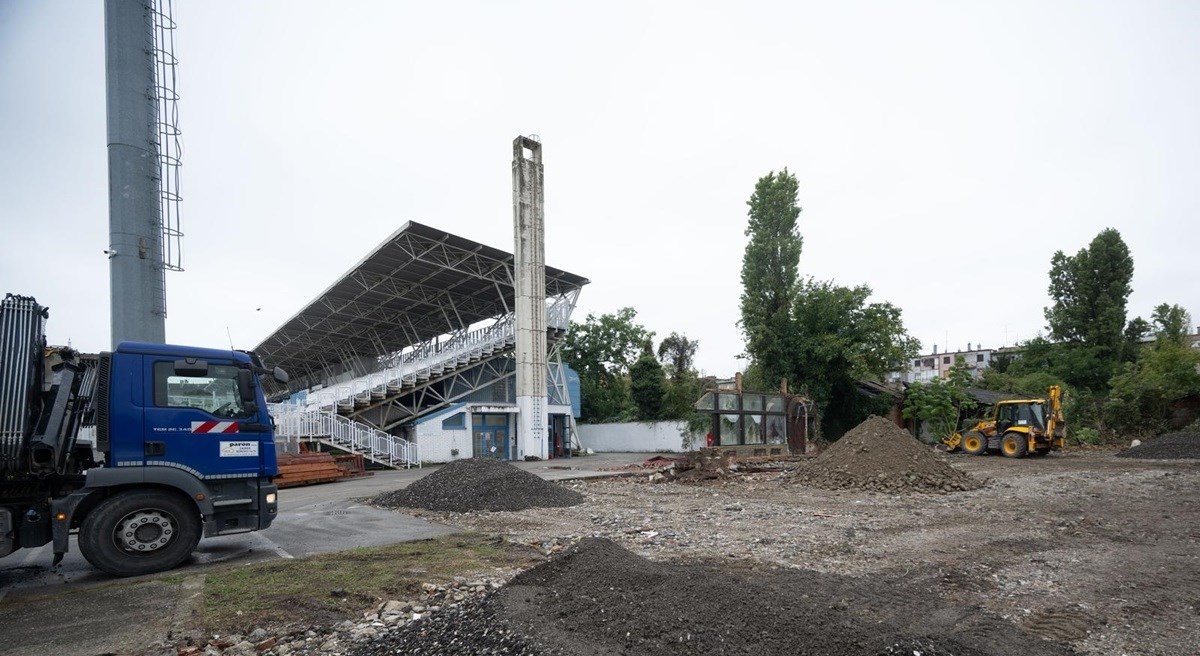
(1016, 428)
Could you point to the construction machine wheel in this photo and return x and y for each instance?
(140, 532)
(1014, 445)
(974, 443)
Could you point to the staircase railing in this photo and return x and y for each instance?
(292, 426)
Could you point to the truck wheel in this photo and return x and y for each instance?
(140, 532)
(974, 443)
(1014, 445)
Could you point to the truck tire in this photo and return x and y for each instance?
(974, 443)
(140, 532)
(1014, 445)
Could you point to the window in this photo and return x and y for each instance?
(979, 357)
(455, 421)
(216, 393)
(776, 430)
(754, 429)
(730, 428)
(916, 363)
(946, 360)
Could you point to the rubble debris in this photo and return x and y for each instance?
(1169, 446)
(879, 456)
(599, 598)
(480, 484)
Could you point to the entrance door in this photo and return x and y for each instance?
(490, 434)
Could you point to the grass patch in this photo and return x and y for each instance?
(329, 588)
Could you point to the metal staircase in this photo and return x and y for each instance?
(294, 425)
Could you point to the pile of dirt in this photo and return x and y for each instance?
(879, 456)
(480, 484)
(1169, 446)
(598, 598)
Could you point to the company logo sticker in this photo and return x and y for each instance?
(239, 449)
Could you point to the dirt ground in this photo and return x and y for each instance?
(1087, 549)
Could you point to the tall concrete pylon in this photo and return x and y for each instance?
(136, 273)
(529, 264)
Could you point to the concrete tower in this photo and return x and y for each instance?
(134, 222)
(529, 265)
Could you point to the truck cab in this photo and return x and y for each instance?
(183, 448)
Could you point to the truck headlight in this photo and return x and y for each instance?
(271, 497)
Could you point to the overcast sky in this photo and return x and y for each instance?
(944, 151)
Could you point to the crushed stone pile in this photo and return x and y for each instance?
(597, 598)
(1169, 446)
(878, 456)
(480, 484)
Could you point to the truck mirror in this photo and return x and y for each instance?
(280, 376)
(191, 367)
(245, 383)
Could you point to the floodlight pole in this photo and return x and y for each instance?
(529, 264)
(135, 225)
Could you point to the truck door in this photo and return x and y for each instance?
(194, 418)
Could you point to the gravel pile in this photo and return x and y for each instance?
(468, 629)
(878, 456)
(480, 484)
(598, 598)
(1170, 446)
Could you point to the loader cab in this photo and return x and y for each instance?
(1020, 415)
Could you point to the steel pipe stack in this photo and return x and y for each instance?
(22, 343)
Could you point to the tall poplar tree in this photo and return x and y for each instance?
(770, 273)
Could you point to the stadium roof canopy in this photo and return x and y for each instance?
(419, 283)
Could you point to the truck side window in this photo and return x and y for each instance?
(216, 393)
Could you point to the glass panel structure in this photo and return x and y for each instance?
(727, 402)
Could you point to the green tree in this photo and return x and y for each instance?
(770, 268)
(1143, 391)
(938, 402)
(648, 385)
(1089, 291)
(602, 350)
(1171, 323)
(677, 353)
(836, 338)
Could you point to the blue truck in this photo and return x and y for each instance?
(139, 452)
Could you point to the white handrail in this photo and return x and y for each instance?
(383, 447)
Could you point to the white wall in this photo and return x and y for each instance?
(637, 437)
(437, 443)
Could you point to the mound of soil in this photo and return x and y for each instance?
(1170, 446)
(480, 484)
(878, 456)
(598, 598)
